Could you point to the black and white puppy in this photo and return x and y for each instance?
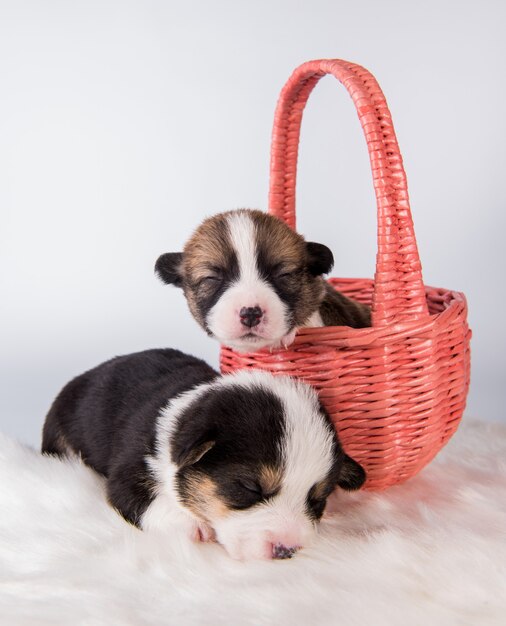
(251, 281)
(247, 458)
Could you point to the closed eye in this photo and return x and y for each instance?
(280, 271)
(251, 486)
(256, 488)
(211, 279)
(243, 494)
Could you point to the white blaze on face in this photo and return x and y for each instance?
(249, 290)
(307, 451)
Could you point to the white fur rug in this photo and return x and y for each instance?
(432, 551)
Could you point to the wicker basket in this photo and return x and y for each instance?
(396, 391)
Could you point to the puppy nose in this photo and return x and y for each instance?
(279, 551)
(250, 316)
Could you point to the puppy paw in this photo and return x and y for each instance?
(200, 532)
(286, 340)
(206, 533)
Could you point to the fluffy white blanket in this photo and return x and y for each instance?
(432, 551)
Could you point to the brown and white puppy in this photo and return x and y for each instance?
(247, 458)
(251, 281)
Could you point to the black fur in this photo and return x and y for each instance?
(346, 473)
(246, 429)
(285, 282)
(226, 435)
(108, 416)
(168, 268)
(320, 259)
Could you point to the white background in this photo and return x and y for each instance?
(124, 123)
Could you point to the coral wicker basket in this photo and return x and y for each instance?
(396, 391)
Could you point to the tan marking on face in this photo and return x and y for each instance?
(282, 243)
(208, 247)
(284, 246)
(270, 478)
(320, 490)
(202, 498)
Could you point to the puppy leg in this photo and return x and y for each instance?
(53, 440)
(197, 530)
(203, 533)
(130, 490)
(286, 341)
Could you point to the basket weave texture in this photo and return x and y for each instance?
(395, 391)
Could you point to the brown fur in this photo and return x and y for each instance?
(320, 490)
(206, 249)
(270, 478)
(282, 245)
(200, 496)
(338, 310)
(210, 248)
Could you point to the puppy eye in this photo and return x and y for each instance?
(251, 486)
(243, 494)
(212, 279)
(284, 272)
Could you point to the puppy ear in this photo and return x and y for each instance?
(193, 455)
(190, 443)
(352, 475)
(168, 268)
(319, 258)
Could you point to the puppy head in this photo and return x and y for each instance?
(256, 459)
(249, 279)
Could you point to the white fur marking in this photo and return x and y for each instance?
(307, 453)
(314, 321)
(248, 291)
(166, 508)
(242, 236)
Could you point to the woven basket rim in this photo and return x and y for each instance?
(333, 337)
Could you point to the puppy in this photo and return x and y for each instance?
(248, 458)
(251, 281)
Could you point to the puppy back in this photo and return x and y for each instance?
(115, 405)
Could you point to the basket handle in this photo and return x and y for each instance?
(399, 293)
